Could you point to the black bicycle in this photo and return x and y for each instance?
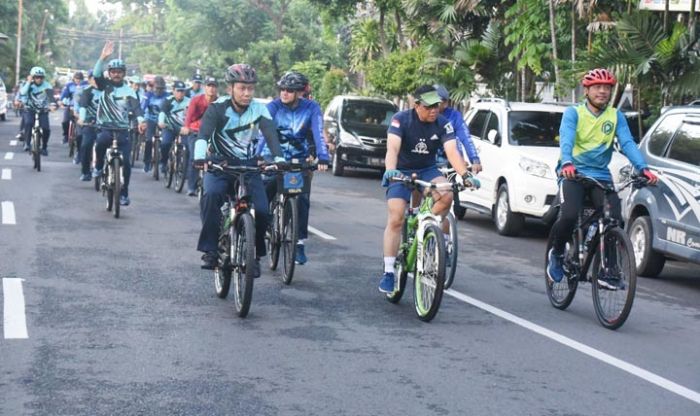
(284, 207)
(600, 244)
(176, 168)
(37, 138)
(155, 152)
(112, 176)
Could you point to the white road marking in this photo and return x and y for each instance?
(9, 155)
(8, 212)
(14, 318)
(585, 349)
(13, 142)
(321, 233)
(6, 174)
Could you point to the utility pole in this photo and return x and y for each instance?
(41, 31)
(121, 33)
(19, 42)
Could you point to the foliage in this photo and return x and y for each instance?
(527, 31)
(335, 82)
(399, 74)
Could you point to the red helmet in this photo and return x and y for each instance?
(241, 73)
(598, 76)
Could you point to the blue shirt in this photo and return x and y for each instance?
(464, 140)
(68, 97)
(118, 102)
(153, 105)
(37, 97)
(419, 141)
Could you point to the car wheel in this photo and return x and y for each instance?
(338, 167)
(649, 263)
(507, 222)
(3, 117)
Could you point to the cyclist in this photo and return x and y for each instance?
(151, 108)
(117, 105)
(171, 120)
(413, 139)
(464, 140)
(37, 93)
(230, 128)
(87, 113)
(193, 120)
(196, 88)
(587, 133)
(68, 100)
(297, 119)
(19, 109)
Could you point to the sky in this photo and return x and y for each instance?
(94, 5)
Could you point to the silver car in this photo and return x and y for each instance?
(3, 101)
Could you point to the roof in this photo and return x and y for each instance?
(522, 106)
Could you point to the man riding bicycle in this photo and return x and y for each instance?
(413, 139)
(171, 120)
(297, 119)
(117, 106)
(37, 93)
(87, 114)
(193, 120)
(151, 108)
(587, 134)
(229, 131)
(68, 99)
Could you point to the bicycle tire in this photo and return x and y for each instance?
(108, 190)
(427, 301)
(71, 138)
(36, 150)
(290, 230)
(155, 162)
(244, 250)
(451, 251)
(400, 269)
(560, 294)
(222, 273)
(615, 318)
(181, 169)
(117, 184)
(273, 240)
(169, 171)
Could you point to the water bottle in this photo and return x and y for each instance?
(591, 232)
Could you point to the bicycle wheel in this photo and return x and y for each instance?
(273, 239)
(222, 273)
(169, 171)
(155, 162)
(613, 306)
(400, 269)
(560, 294)
(243, 256)
(451, 250)
(289, 237)
(71, 139)
(429, 282)
(117, 184)
(36, 150)
(181, 169)
(108, 190)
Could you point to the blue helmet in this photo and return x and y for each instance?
(116, 64)
(442, 92)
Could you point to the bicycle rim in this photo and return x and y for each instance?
(612, 307)
(180, 171)
(289, 238)
(273, 239)
(451, 252)
(244, 255)
(560, 294)
(429, 283)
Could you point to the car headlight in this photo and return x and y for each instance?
(349, 138)
(535, 168)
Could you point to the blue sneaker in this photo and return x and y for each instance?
(300, 257)
(555, 268)
(386, 285)
(96, 173)
(146, 167)
(124, 200)
(85, 177)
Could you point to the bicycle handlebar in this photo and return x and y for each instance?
(635, 180)
(444, 186)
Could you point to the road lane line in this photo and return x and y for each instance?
(590, 351)
(6, 174)
(8, 212)
(14, 318)
(13, 142)
(9, 155)
(321, 233)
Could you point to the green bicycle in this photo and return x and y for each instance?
(422, 248)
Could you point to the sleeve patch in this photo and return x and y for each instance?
(395, 123)
(449, 129)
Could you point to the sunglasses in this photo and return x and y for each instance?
(288, 90)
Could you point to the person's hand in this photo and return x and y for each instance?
(322, 165)
(107, 50)
(650, 176)
(199, 163)
(29, 78)
(476, 168)
(388, 174)
(142, 128)
(184, 131)
(568, 171)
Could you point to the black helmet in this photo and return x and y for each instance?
(241, 73)
(179, 86)
(159, 82)
(293, 80)
(78, 75)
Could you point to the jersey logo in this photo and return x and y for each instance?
(434, 137)
(449, 129)
(421, 148)
(607, 127)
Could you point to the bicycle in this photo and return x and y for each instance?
(284, 207)
(598, 236)
(451, 244)
(37, 137)
(155, 161)
(112, 176)
(136, 142)
(72, 137)
(176, 167)
(236, 240)
(422, 248)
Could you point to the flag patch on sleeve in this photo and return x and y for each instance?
(395, 123)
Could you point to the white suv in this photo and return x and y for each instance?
(518, 144)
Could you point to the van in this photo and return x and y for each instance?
(357, 128)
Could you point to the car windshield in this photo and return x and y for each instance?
(359, 114)
(534, 128)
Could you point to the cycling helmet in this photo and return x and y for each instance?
(598, 76)
(135, 79)
(442, 92)
(197, 78)
(293, 81)
(179, 86)
(116, 64)
(37, 71)
(159, 82)
(79, 75)
(243, 73)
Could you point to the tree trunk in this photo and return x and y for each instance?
(382, 33)
(554, 46)
(590, 32)
(399, 28)
(639, 113)
(666, 15)
(691, 20)
(573, 45)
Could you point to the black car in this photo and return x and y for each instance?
(664, 220)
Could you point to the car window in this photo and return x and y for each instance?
(493, 125)
(686, 144)
(360, 113)
(476, 126)
(534, 128)
(658, 141)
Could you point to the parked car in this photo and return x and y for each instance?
(664, 220)
(357, 127)
(3, 101)
(518, 144)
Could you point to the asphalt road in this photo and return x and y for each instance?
(120, 320)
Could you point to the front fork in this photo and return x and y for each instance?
(424, 220)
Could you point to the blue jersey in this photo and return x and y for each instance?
(68, 97)
(297, 126)
(464, 140)
(153, 105)
(118, 102)
(87, 106)
(419, 141)
(37, 97)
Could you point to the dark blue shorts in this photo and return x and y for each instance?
(399, 190)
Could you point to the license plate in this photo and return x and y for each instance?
(375, 161)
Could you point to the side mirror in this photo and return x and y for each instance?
(493, 136)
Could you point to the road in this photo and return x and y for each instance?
(120, 319)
